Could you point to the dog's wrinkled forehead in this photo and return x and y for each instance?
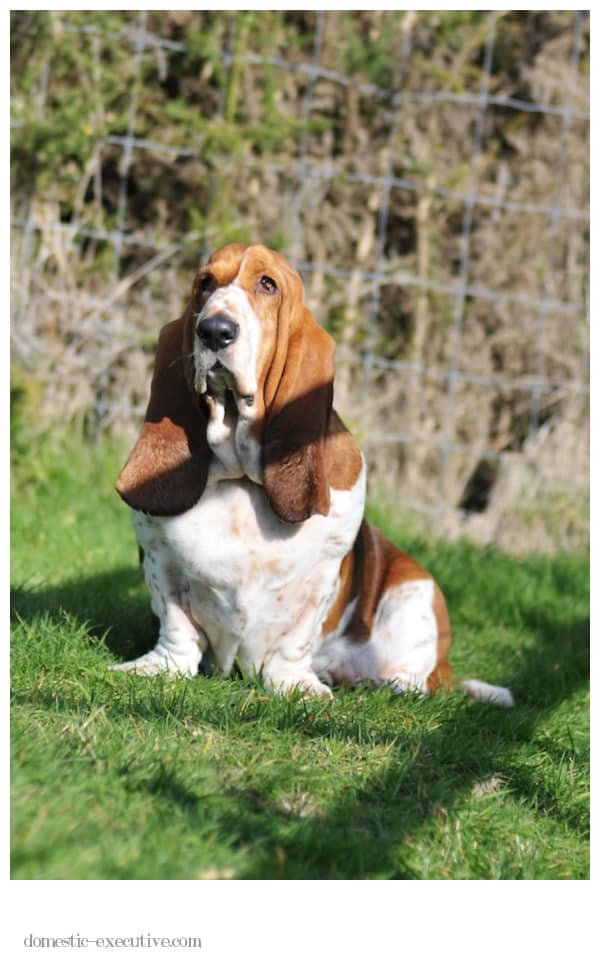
(245, 264)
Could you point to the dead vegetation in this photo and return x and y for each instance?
(443, 240)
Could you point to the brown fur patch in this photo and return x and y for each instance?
(345, 594)
(373, 566)
(441, 675)
(166, 471)
(293, 446)
(343, 460)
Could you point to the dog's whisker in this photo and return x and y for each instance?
(178, 360)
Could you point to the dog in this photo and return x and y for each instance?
(248, 497)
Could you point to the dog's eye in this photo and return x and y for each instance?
(267, 285)
(205, 285)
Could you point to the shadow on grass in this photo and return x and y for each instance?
(113, 605)
(368, 830)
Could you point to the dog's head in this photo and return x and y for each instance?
(246, 339)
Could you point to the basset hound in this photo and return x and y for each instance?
(248, 495)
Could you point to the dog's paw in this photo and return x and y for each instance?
(307, 684)
(159, 662)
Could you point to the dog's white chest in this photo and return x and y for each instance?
(249, 581)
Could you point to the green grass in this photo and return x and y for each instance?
(119, 777)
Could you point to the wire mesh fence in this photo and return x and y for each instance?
(440, 228)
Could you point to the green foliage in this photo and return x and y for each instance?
(451, 26)
(121, 777)
(69, 98)
(370, 52)
(25, 397)
(66, 97)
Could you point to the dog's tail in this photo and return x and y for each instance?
(487, 692)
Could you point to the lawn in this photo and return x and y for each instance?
(120, 777)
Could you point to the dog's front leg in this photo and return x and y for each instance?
(181, 642)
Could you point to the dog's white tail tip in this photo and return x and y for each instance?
(488, 692)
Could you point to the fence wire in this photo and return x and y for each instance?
(144, 42)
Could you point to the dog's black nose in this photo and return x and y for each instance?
(217, 332)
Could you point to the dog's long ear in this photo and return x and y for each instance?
(167, 469)
(296, 423)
